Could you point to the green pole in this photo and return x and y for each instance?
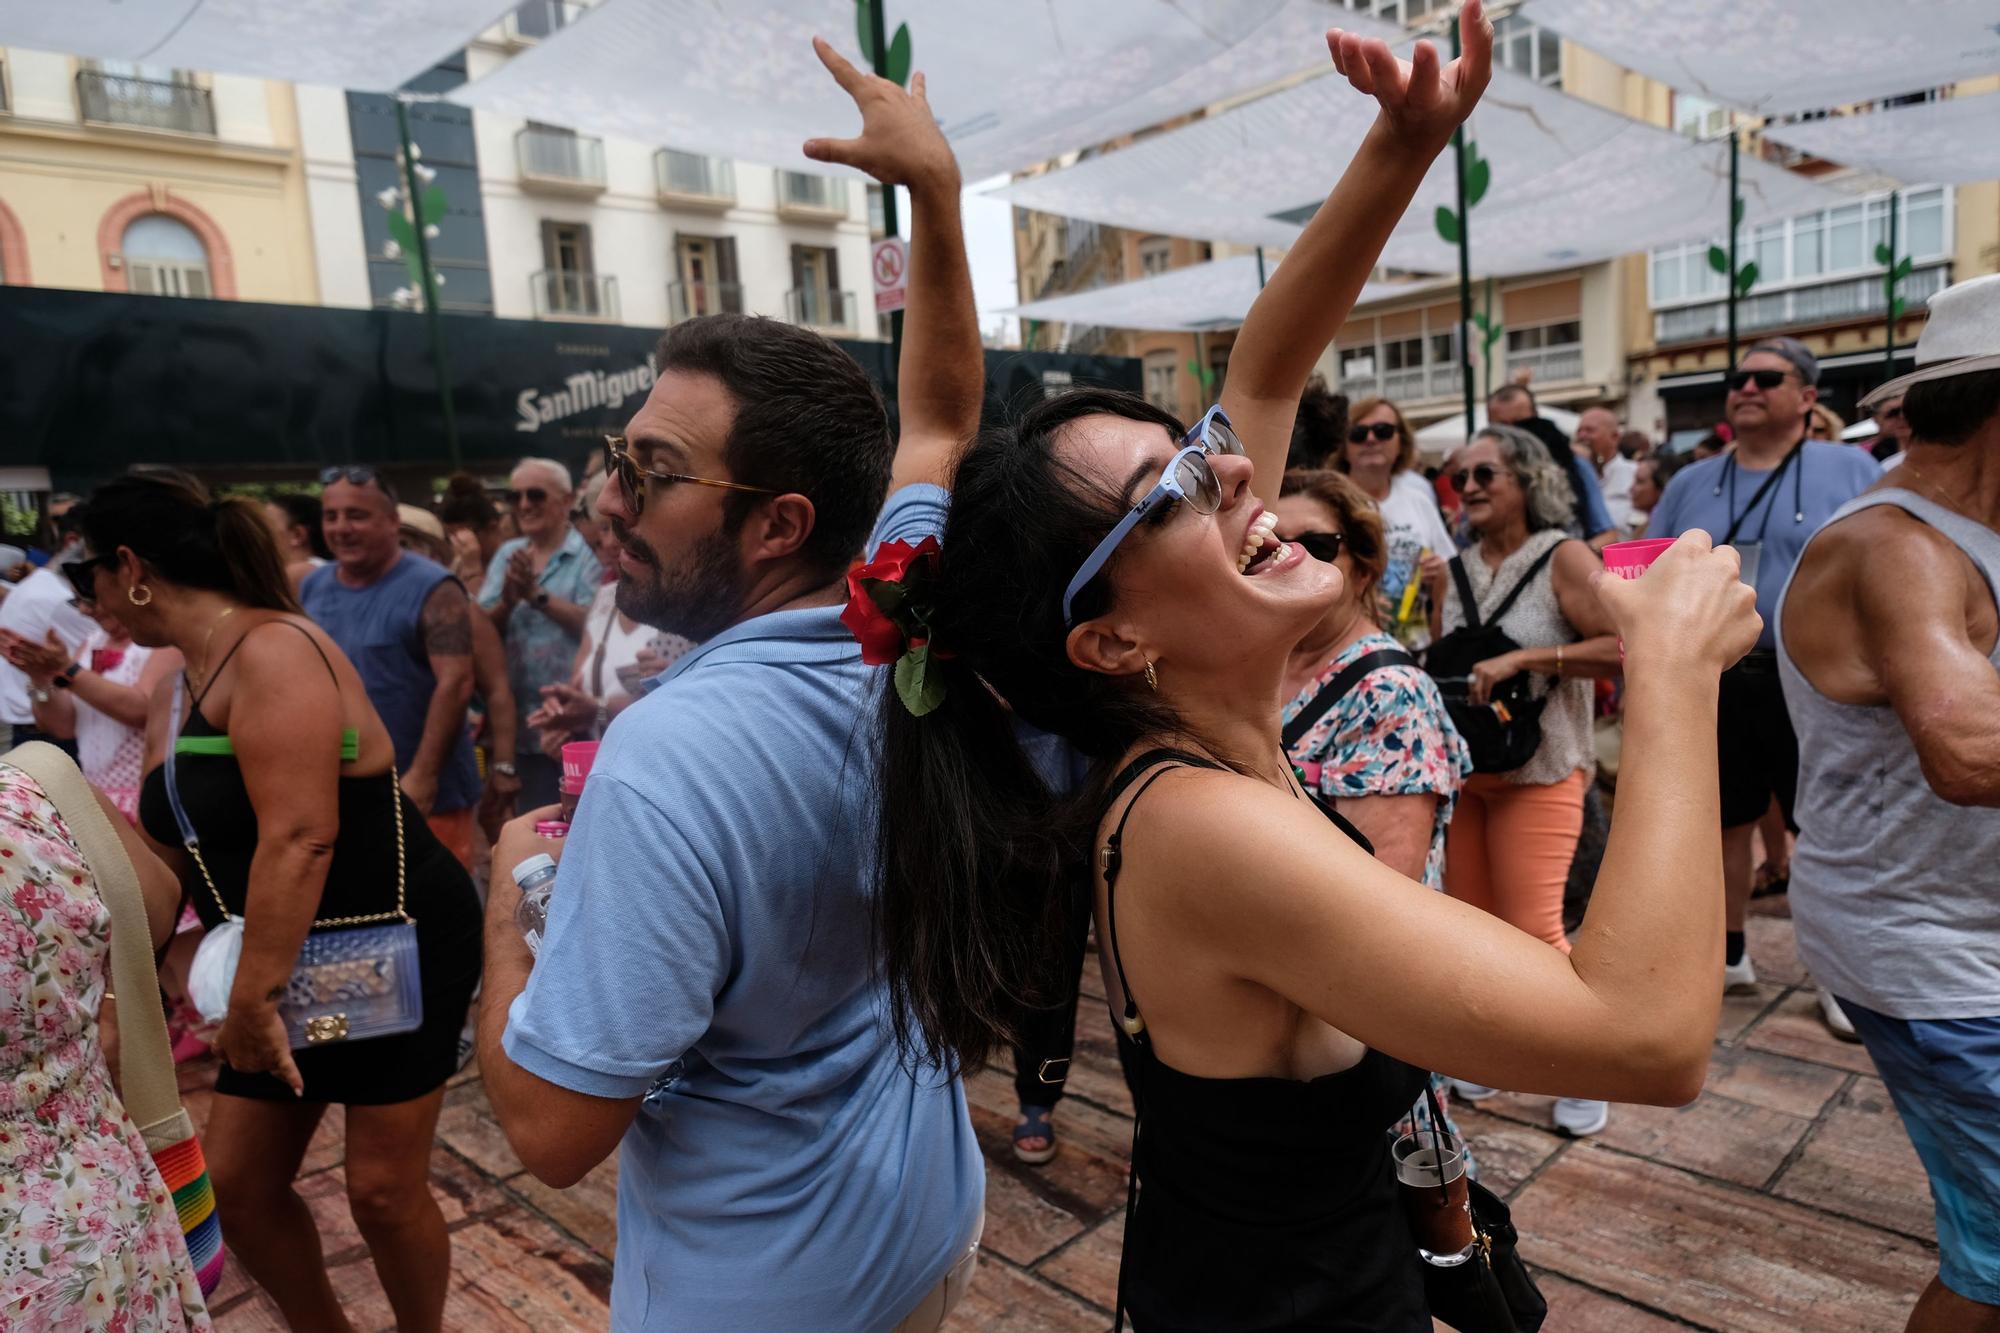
(1464, 263)
(1735, 149)
(1889, 297)
(414, 188)
(891, 224)
(1260, 268)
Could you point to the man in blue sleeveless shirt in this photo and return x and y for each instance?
(404, 623)
(1889, 641)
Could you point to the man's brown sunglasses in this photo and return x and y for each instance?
(618, 463)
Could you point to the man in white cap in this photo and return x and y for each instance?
(1889, 648)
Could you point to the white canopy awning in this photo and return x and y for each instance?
(1781, 56)
(1195, 299)
(1013, 84)
(1572, 183)
(376, 46)
(1948, 143)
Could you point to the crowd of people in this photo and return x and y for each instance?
(888, 725)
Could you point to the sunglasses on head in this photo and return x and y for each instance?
(1485, 474)
(1384, 431)
(1187, 477)
(534, 495)
(632, 478)
(1765, 379)
(353, 476)
(82, 575)
(1321, 545)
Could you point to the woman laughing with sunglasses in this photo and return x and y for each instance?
(1381, 454)
(1112, 579)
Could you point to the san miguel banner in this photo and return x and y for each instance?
(92, 382)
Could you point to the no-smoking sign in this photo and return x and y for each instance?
(891, 265)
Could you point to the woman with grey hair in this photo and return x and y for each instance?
(1509, 845)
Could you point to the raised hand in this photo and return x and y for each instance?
(1691, 607)
(900, 142)
(1421, 102)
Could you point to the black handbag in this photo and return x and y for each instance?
(1491, 1292)
(1504, 732)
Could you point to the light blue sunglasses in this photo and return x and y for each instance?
(1188, 477)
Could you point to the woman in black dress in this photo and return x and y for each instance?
(285, 772)
(1114, 580)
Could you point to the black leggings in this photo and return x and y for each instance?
(1041, 1062)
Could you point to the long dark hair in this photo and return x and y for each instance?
(169, 521)
(983, 855)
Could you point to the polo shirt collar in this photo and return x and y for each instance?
(809, 635)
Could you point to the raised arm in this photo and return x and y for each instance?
(1309, 297)
(942, 375)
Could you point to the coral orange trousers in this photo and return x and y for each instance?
(1508, 848)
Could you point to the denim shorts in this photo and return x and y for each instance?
(1944, 1075)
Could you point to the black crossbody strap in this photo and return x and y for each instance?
(1466, 597)
(1337, 689)
(1507, 604)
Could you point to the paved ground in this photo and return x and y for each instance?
(1785, 1200)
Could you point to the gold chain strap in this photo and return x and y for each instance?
(400, 914)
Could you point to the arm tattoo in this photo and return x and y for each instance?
(447, 623)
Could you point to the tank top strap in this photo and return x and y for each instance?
(1111, 857)
(244, 637)
(1980, 543)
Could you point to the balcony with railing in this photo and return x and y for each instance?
(569, 294)
(1562, 364)
(820, 308)
(559, 160)
(1819, 303)
(153, 104)
(687, 300)
(818, 198)
(693, 180)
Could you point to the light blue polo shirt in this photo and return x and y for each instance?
(709, 940)
(1716, 492)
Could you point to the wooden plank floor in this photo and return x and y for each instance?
(1786, 1198)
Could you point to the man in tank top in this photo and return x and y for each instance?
(405, 623)
(1889, 640)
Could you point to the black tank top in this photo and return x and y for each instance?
(1261, 1203)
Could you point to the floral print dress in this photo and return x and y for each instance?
(89, 1239)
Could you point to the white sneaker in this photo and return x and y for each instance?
(1472, 1092)
(1580, 1117)
(1835, 1019)
(1739, 978)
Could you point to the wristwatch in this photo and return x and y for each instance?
(36, 694)
(504, 769)
(540, 600)
(66, 676)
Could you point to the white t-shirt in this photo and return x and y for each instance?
(1616, 482)
(612, 646)
(38, 604)
(1411, 525)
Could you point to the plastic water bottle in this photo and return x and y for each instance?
(536, 877)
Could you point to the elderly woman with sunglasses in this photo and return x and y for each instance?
(1510, 845)
(539, 588)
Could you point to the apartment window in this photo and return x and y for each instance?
(1813, 246)
(816, 298)
(1156, 255)
(707, 282)
(1528, 49)
(1444, 348)
(1923, 223)
(554, 153)
(121, 92)
(537, 19)
(569, 284)
(1163, 387)
(163, 257)
(1699, 118)
(1403, 354)
(1566, 334)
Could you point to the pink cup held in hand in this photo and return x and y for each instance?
(577, 757)
(1628, 560)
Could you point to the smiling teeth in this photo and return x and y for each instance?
(1265, 529)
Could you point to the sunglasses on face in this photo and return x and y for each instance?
(1322, 545)
(1890, 414)
(1485, 474)
(533, 495)
(1766, 380)
(1384, 431)
(82, 575)
(631, 477)
(1188, 477)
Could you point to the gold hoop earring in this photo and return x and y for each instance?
(132, 595)
(1152, 676)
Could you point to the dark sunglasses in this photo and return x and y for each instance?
(353, 476)
(1384, 431)
(1321, 545)
(82, 575)
(1484, 474)
(632, 478)
(1890, 414)
(1765, 379)
(534, 495)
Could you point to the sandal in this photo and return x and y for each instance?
(1770, 882)
(1035, 1124)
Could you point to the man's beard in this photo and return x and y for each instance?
(698, 598)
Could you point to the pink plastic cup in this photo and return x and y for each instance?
(1628, 560)
(577, 757)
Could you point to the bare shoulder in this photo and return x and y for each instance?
(1882, 553)
(289, 648)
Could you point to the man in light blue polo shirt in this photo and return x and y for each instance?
(704, 998)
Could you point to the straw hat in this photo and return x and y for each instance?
(421, 520)
(1963, 336)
